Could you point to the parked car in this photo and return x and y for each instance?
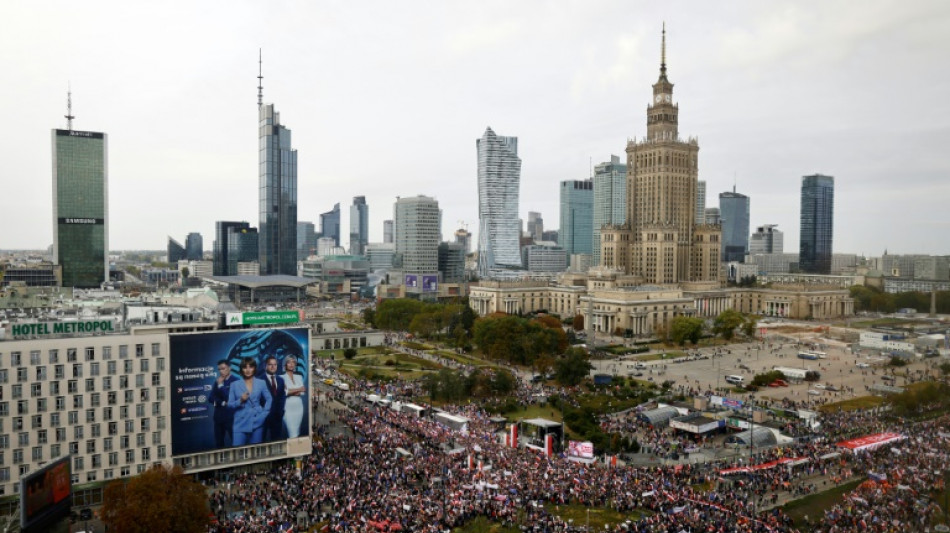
(328, 381)
(814, 392)
(863, 365)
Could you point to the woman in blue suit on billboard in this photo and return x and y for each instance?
(251, 402)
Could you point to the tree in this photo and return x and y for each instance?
(369, 316)
(726, 323)
(748, 327)
(578, 323)
(685, 328)
(185, 272)
(161, 499)
(572, 368)
(349, 353)
(761, 380)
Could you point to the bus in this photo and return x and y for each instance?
(812, 355)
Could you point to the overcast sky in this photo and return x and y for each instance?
(386, 99)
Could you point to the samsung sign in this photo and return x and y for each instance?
(58, 328)
(77, 220)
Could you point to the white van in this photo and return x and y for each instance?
(735, 380)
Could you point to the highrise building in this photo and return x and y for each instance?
(176, 252)
(766, 240)
(387, 231)
(610, 200)
(278, 193)
(243, 249)
(330, 224)
(359, 225)
(499, 182)
(194, 247)
(306, 240)
(660, 241)
(535, 225)
(577, 216)
(222, 232)
(464, 237)
(700, 202)
(734, 210)
(712, 216)
(80, 205)
(817, 224)
(452, 262)
(417, 224)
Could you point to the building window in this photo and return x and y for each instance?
(90, 354)
(59, 372)
(36, 389)
(139, 350)
(34, 357)
(156, 379)
(123, 351)
(143, 365)
(110, 368)
(107, 352)
(94, 369)
(156, 349)
(53, 356)
(71, 355)
(14, 358)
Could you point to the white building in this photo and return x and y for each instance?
(499, 183)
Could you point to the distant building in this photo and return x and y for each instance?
(330, 224)
(359, 225)
(194, 247)
(338, 274)
(713, 217)
(535, 225)
(610, 199)
(387, 231)
(31, 275)
(934, 267)
(734, 210)
(551, 236)
(499, 183)
(464, 238)
(176, 252)
(306, 240)
(243, 247)
(541, 258)
(817, 224)
(380, 255)
(417, 222)
(700, 202)
(577, 216)
(452, 262)
(81, 207)
(222, 230)
(766, 240)
(774, 263)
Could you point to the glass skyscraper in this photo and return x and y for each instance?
(194, 247)
(576, 233)
(359, 225)
(330, 224)
(81, 207)
(278, 196)
(817, 224)
(223, 232)
(499, 183)
(734, 213)
(176, 252)
(610, 199)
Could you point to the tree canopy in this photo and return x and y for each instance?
(519, 340)
(685, 328)
(160, 499)
(572, 368)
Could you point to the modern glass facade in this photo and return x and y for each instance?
(194, 247)
(700, 202)
(222, 232)
(418, 230)
(176, 252)
(577, 216)
(359, 225)
(278, 196)
(387, 231)
(610, 199)
(81, 207)
(306, 240)
(330, 224)
(243, 247)
(766, 240)
(499, 183)
(734, 213)
(817, 224)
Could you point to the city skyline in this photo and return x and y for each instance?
(774, 92)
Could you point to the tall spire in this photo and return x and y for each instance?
(663, 52)
(260, 78)
(69, 107)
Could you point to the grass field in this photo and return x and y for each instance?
(599, 516)
(815, 505)
(536, 411)
(854, 404)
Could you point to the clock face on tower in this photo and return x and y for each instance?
(666, 97)
(659, 98)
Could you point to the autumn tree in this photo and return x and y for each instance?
(685, 329)
(726, 323)
(578, 323)
(160, 499)
(573, 367)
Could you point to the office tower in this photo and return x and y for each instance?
(577, 216)
(734, 210)
(330, 224)
(660, 241)
(544, 258)
(194, 247)
(452, 262)
(306, 240)
(817, 224)
(80, 205)
(222, 229)
(176, 252)
(380, 255)
(700, 202)
(243, 248)
(550, 235)
(359, 225)
(535, 225)
(416, 225)
(387, 231)
(712, 216)
(499, 182)
(278, 193)
(464, 237)
(610, 199)
(766, 240)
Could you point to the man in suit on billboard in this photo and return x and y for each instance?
(274, 425)
(223, 415)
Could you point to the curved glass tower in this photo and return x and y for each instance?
(499, 183)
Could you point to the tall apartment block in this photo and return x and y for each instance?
(817, 224)
(577, 216)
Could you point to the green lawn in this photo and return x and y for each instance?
(536, 411)
(854, 404)
(815, 505)
(599, 516)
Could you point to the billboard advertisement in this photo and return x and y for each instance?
(237, 388)
(430, 283)
(584, 450)
(412, 281)
(264, 317)
(46, 495)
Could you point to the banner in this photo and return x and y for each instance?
(870, 442)
(584, 450)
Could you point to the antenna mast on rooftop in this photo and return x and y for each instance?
(69, 108)
(260, 79)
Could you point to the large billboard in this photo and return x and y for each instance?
(238, 388)
(45, 495)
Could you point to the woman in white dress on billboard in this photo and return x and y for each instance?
(294, 407)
